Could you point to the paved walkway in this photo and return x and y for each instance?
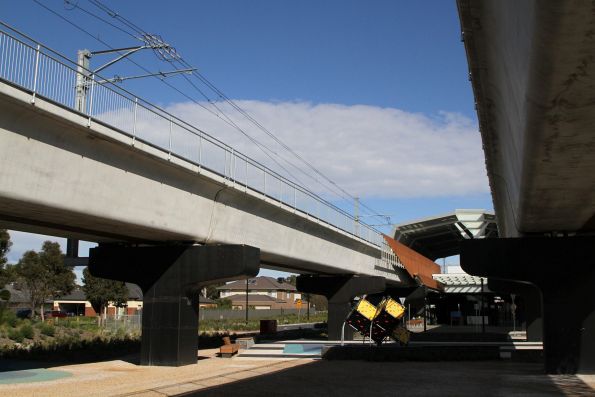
(122, 378)
(238, 376)
(423, 379)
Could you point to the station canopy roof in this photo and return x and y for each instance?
(440, 236)
(461, 283)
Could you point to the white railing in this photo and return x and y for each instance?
(48, 74)
(388, 260)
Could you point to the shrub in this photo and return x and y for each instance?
(15, 335)
(13, 320)
(47, 329)
(8, 317)
(27, 331)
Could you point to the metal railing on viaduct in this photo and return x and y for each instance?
(44, 72)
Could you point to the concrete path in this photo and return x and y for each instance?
(363, 378)
(237, 377)
(123, 378)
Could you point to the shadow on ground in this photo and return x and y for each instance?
(362, 378)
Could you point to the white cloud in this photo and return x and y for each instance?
(370, 151)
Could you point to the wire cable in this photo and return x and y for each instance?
(266, 150)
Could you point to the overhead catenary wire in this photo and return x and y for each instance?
(229, 122)
(221, 115)
(138, 33)
(341, 192)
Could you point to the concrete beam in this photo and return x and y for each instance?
(63, 177)
(531, 67)
(171, 278)
(564, 271)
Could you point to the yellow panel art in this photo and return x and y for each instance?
(394, 308)
(366, 309)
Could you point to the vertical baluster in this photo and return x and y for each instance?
(91, 100)
(35, 72)
(170, 137)
(135, 111)
(199, 152)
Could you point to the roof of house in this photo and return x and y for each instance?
(134, 293)
(76, 295)
(17, 295)
(252, 298)
(258, 283)
(203, 299)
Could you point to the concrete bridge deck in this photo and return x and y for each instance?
(63, 177)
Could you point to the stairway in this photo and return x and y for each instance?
(285, 349)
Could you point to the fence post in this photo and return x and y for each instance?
(91, 100)
(199, 152)
(232, 167)
(36, 73)
(170, 133)
(134, 122)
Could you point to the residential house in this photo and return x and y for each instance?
(263, 293)
(76, 303)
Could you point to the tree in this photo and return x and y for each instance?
(319, 302)
(35, 278)
(6, 273)
(223, 303)
(211, 292)
(291, 279)
(61, 277)
(100, 292)
(45, 275)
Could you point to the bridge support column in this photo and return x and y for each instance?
(171, 278)
(564, 271)
(532, 299)
(340, 290)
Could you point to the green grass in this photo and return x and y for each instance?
(71, 348)
(254, 325)
(83, 323)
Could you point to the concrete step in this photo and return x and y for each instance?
(283, 350)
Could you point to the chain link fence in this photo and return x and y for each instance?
(123, 324)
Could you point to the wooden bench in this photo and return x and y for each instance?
(228, 349)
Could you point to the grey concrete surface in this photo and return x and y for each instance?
(362, 378)
(531, 67)
(212, 376)
(61, 177)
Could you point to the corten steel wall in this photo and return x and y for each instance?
(415, 263)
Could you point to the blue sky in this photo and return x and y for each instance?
(381, 85)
